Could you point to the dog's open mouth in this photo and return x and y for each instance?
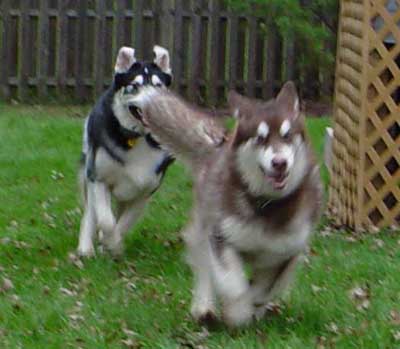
(137, 113)
(278, 180)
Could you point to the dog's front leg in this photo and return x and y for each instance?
(271, 283)
(130, 212)
(233, 286)
(88, 223)
(203, 307)
(103, 208)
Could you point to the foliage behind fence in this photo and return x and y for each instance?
(66, 49)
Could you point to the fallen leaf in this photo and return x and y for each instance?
(396, 335)
(316, 289)
(321, 341)
(75, 260)
(332, 327)
(76, 317)
(358, 293)
(67, 292)
(395, 317)
(6, 285)
(130, 343)
(364, 305)
(129, 333)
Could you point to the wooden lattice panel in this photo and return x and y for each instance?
(365, 182)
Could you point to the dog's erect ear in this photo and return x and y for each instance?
(240, 106)
(288, 99)
(161, 58)
(125, 59)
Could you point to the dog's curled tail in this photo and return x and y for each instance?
(183, 129)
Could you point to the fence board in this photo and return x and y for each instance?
(43, 48)
(23, 49)
(233, 45)
(62, 49)
(178, 50)
(196, 54)
(251, 72)
(138, 38)
(100, 40)
(214, 46)
(5, 50)
(79, 53)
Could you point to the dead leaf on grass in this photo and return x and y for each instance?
(75, 260)
(361, 297)
(68, 292)
(395, 317)
(6, 285)
(316, 289)
(396, 335)
(130, 343)
(333, 328)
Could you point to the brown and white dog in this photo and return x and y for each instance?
(257, 197)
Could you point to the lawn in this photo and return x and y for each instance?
(346, 295)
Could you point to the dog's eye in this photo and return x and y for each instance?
(287, 136)
(261, 139)
(131, 88)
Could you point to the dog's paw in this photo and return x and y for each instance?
(114, 248)
(86, 252)
(204, 313)
(237, 313)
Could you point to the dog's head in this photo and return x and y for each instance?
(131, 74)
(269, 142)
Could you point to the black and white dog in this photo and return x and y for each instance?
(121, 160)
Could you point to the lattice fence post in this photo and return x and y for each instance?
(364, 192)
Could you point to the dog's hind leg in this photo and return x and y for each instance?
(103, 208)
(130, 212)
(88, 223)
(198, 248)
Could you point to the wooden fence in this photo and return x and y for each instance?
(66, 49)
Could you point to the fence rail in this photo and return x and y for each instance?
(66, 49)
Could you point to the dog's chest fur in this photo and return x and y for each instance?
(137, 176)
(267, 245)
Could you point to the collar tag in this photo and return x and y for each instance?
(131, 142)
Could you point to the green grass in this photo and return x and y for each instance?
(148, 291)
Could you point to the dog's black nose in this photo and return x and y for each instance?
(279, 164)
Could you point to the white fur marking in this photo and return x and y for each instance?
(146, 70)
(236, 113)
(263, 129)
(285, 127)
(145, 96)
(139, 80)
(155, 80)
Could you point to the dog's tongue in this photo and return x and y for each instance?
(278, 180)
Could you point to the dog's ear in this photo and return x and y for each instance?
(288, 99)
(161, 58)
(239, 106)
(125, 59)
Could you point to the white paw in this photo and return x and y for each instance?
(200, 309)
(86, 251)
(237, 313)
(113, 246)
